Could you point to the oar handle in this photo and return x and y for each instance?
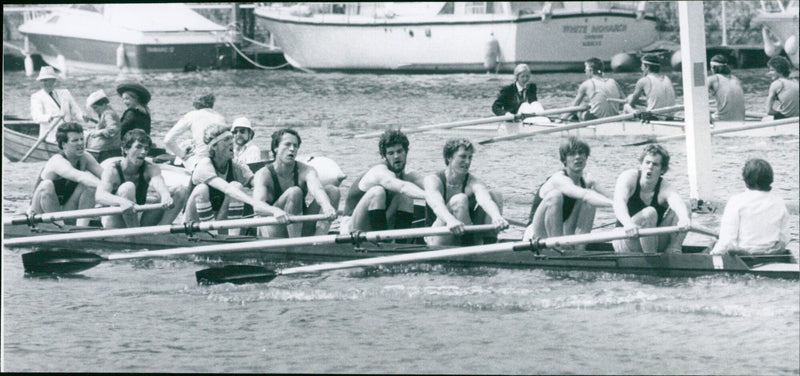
(24, 219)
(594, 237)
(53, 125)
(704, 230)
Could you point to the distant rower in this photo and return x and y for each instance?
(656, 86)
(726, 89)
(458, 198)
(782, 100)
(603, 94)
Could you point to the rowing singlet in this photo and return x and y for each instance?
(141, 182)
(566, 208)
(277, 185)
(602, 89)
(786, 102)
(635, 203)
(430, 216)
(64, 187)
(354, 195)
(659, 92)
(729, 96)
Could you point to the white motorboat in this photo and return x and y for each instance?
(780, 25)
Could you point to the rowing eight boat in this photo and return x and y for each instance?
(597, 257)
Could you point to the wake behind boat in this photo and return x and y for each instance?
(456, 36)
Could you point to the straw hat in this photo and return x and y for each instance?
(47, 73)
(137, 88)
(94, 97)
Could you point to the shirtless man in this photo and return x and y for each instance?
(383, 197)
(126, 180)
(565, 203)
(603, 94)
(643, 199)
(656, 86)
(69, 179)
(285, 183)
(458, 198)
(218, 183)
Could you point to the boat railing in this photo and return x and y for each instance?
(774, 6)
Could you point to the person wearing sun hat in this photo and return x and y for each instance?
(50, 103)
(726, 89)
(654, 85)
(244, 151)
(136, 115)
(103, 142)
(194, 122)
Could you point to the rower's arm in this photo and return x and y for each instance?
(622, 192)
(103, 195)
(317, 191)
(392, 183)
(171, 138)
(260, 180)
(676, 203)
(774, 89)
(434, 199)
(484, 199)
(580, 96)
(638, 90)
(89, 178)
(157, 181)
(565, 185)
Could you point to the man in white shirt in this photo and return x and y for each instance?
(755, 221)
(244, 151)
(195, 122)
(50, 103)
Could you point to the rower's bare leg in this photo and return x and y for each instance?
(293, 205)
(126, 190)
(580, 220)
(548, 221)
(459, 207)
(400, 214)
(645, 218)
(45, 199)
(165, 217)
(321, 227)
(369, 209)
(671, 243)
(85, 199)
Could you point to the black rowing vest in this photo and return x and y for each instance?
(277, 185)
(64, 187)
(141, 182)
(430, 216)
(635, 203)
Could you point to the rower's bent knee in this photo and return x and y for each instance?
(553, 198)
(646, 217)
(333, 194)
(376, 193)
(127, 190)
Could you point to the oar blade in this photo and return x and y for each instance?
(59, 261)
(236, 274)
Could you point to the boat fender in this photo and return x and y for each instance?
(28, 65)
(61, 61)
(790, 46)
(771, 47)
(675, 60)
(532, 108)
(121, 56)
(329, 171)
(492, 54)
(624, 62)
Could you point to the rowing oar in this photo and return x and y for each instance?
(47, 261)
(25, 219)
(583, 124)
(763, 124)
(55, 122)
(487, 120)
(187, 228)
(251, 273)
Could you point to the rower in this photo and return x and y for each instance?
(782, 100)
(49, 104)
(217, 183)
(103, 142)
(69, 179)
(755, 221)
(726, 90)
(383, 196)
(512, 96)
(458, 198)
(285, 183)
(604, 94)
(643, 199)
(656, 86)
(195, 122)
(127, 180)
(244, 151)
(566, 202)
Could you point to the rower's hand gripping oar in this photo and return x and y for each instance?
(45, 261)
(250, 273)
(187, 228)
(31, 220)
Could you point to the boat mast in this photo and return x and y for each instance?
(695, 98)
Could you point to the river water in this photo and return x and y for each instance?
(150, 316)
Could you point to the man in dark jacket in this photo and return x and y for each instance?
(512, 96)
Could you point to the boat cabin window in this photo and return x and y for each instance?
(473, 7)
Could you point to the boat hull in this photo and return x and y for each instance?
(561, 42)
(597, 257)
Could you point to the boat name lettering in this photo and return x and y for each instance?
(590, 43)
(593, 36)
(168, 50)
(580, 29)
(584, 29)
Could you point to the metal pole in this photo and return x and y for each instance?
(724, 27)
